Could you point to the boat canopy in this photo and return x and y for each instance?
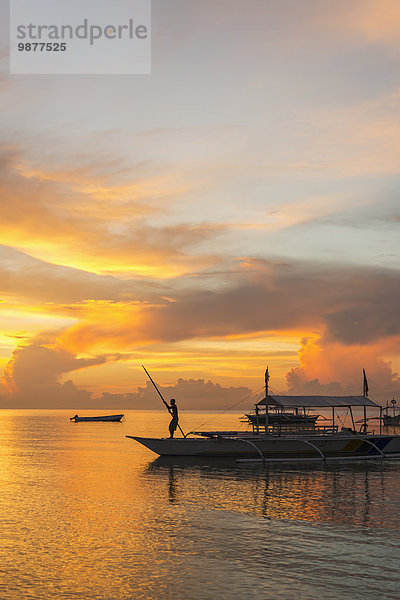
(317, 401)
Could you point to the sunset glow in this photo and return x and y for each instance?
(211, 218)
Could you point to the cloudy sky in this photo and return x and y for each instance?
(236, 208)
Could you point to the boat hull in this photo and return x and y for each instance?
(278, 448)
(106, 418)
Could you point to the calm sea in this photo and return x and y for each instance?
(89, 514)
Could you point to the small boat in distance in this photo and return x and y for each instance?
(113, 418)
(391, 419)
(280, 417)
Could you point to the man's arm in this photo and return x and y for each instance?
(168, 407)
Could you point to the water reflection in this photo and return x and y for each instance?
(362, 494)
(172, 486)
(86, 513)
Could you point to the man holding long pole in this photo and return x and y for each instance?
(172, 409)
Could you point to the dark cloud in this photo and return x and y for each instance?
(350, 305)
(364, 324)
(370, 308)
(354, 305)
(298, 384)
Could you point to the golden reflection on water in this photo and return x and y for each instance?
(87, 513)
(314, 493)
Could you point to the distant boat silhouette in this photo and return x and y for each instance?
(114, 418)
(391, 419)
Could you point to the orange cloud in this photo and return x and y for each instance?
(79, 219)
(327, 367)
(261, 297)
(377, 20)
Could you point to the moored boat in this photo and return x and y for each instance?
(306, 440)
(391, 420)
(394, 417)
(106, 418)
(342, 445)
(282, 418)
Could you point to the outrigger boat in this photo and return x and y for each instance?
(308, 440)
(113, 418)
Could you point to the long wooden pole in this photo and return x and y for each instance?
(161, 396)
(266, 401)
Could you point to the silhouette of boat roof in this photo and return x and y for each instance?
(318, 401)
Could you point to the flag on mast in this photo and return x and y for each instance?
(266, 384)
(365, 385)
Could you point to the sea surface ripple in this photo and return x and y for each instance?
(88, 514)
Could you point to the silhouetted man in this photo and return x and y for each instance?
(173, 409)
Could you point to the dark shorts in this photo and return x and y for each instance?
(173, 424)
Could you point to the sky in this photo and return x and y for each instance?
(236, 208)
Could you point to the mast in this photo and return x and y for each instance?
(365, 393)
(365, 384)
(266, 400)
